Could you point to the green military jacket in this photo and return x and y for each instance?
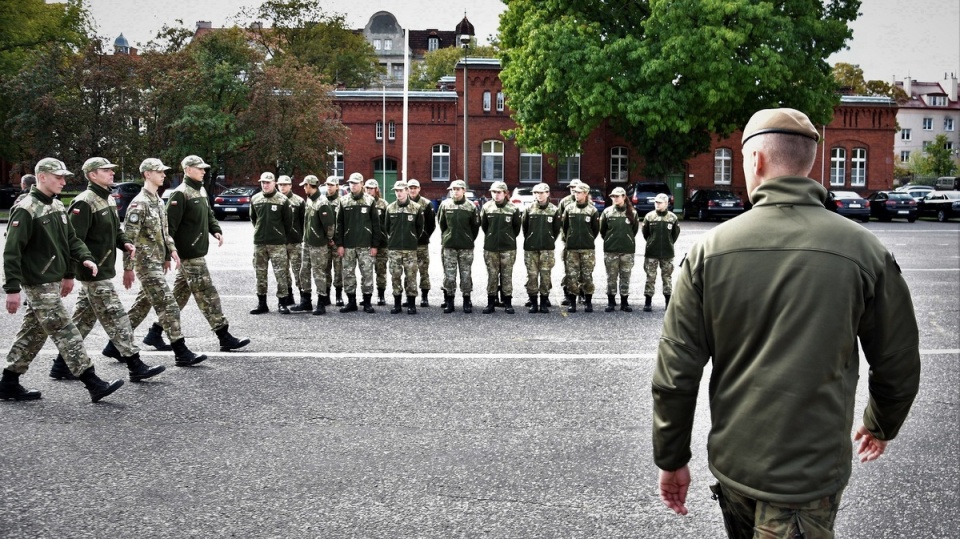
(581, 224)
(319, 220)
(541, 227)
(191, 220)
(501, 225)
(358, 222)
(429, 219)
(40, 243)
(404, 225)
(661, 231)
(459, 223)
(298, 211)
(93, 215)
(146, 226)
(271, 217)
(618, 228)
(382, 212)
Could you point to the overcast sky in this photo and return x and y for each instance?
(892, 38)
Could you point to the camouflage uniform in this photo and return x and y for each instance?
(748, 517)
(618, 228)
(501, 225)
(358, 230)
(580, 226)
(660, 230)
(318, 230)
(404, 224)
(541, 226)
(294, 256)
(334, 267)
(271, 217)
(380, 264)
(423, 244)
(459, 224)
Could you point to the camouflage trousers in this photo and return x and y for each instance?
(563, 260)
(539, 267)
(423, 265)
(334, 265)
(315, 261)
(353, 257)
(650, 266)
(580, 264)
(457, 261)
(98, 300)
(294, 263)
(747, 518)
(46, 316)
(271, 255)
(403, 263)
(380, 267)
(500, 271)
(193, 279)
(155, 292)
(619, 266)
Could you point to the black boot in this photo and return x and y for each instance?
(98, 388)
(140, 370)
(154, 338)
(397, 308)
(60, 371)
(282, 306)
(544, 304)
(183, 356)
(351, 303)
(288, 299)
(326, 298)
(508, 304)
(647, 305)
(572, 303)
(624, 306)
(423, 298)
(111, 351)
(10, 388)
(229, 342)
(411, 304)
(322, 302)
(532, 300)
(380, 299)
(491, 305)
(261, 305)
(611, 303)
(367, 308)
(467, 304)
(447, 303)
(588, 303)
(339, 291)
(566, 297)
(666, 301)
(305, 305)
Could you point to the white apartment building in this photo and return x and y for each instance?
(932, 110)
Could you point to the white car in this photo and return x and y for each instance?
(916, 191)
(523, 196)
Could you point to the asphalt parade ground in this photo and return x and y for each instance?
(431, 425)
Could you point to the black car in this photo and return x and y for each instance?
(941, 204)
(599, 201)
(122, 194)
(849, 204)
(712, 204)
(234, 201)
(887, 205)
(642, 194)
(8, 194)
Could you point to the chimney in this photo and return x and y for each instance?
(204, 24)
(908, 86)
(951, 87)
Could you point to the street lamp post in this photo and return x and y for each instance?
(465, 43)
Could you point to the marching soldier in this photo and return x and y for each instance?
(660, 230)
(580, 227)
(294, 258)
(26, 182)
(272, 223)
(423, 244)
(541, 226)
(618, 228)
(459, 223)
(404, 225)
(500, 222)
(358, 234)
(320, 220)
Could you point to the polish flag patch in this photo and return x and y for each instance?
(76, 211)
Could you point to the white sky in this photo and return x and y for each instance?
(892, 38)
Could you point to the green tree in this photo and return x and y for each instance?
(666, 75)
(937, 159)
(850, 78)
(443, 62)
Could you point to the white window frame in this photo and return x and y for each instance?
(531, 167)
(906, 135)
(568, 168)
(904, 156)
(396, 71)
(928, 124)
(948, 145)
(838, 166)
(392, 130)
(858, 167)
(388, 44)
(501, 100)
(486, 100)
(377, 45)
(336, 163)
(938, 101)
(491, 161)
(433, 43)
(949, 124)
(619, 164)
(440, 162)
(723, 166)
(379, 130)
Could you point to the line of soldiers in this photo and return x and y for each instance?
(48, 246)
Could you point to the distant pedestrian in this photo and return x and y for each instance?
(660, 230)
(619, 224)
(541, 227)
(272, 224)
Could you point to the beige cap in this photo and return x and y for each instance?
(193, 161)
(413, 183)
(152, 163)
(661, 197)
(400, 185)
(267, 177)
(619, 191)
(786, 121)
(581, 188)
(541, 188)
(284, 180)
(52, 166)
(499, 186)
(371, 184)
(573, 183)
(457, 184)
(310, 180)
(356, 177)
(95, 163)
(332, 180)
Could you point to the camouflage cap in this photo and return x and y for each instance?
(95, 163)
(332, 180)
(371, 184)
(356, 177)
(661, 198)
(784, 121)
(52, 166)
(574, 182)
(193, 161)
(457, 184)
(581, 188)
(499, 186)
(618, 192)
(400, 185)
(310, 179)
(267, 177)
(152, 163)
(413, 183)
(284, 180)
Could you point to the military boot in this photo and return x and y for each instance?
(544, 304)
(111, 351)
(532, 300)
(624, 306)
(154, 338)
(322, 302)
(305, 305)
(571, 303)
(367, 307)
(447, 303)
(411, 304)
(339, 291)
(60, 371)
(227, 341)
(380, 299)
(467, 304)
(140, 370)
(10, 388)
(491, 305)
(648, 304)
(566, 297)
(397, 307)
(611, 303)
(282, 306)
(508, 304)
(666, 301)
(98, 388)
(183, 357)
(351, 303)
(288, 300)
(423, 301)
(588, 303)
(261, 305)
(326, 298)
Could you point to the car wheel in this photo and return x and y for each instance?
(942, 216)
(702, 215)
(911, 219)
(865, 219)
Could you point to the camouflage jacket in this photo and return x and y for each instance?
(191, 220)
(404, 225)
(319, 221)
(40, 243)
(459, 224)
(146, 226)
(358, 222)
(660, 231)
(618, 228)
(271, 218)
(581, 224)
(93, 215)
(501, 225)
(298, 210)
(429, 219)
(541, 226)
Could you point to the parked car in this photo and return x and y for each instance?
(598, 198)
(849, 204)
(234, 201)
(522, 197)
(122, 194)
(712, 204)
(916, 191)
(642, 194)
(941, 204)
(887, 205)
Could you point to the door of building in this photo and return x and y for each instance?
(386, 178)
(676, 184)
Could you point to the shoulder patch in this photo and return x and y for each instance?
(173, 202)
(15, 224)
(133, 217)
(76, 211)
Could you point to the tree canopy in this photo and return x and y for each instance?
(443, 62)
(666, 75)
(851, 81)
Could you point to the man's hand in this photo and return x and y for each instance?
(219, 237)
(673, 489)
(175, 258)
(66, 286)
(340, 252)
(869, 448)
(130, 248)
(90, 265)
(128, 278)
(373, 251)
(13, 302)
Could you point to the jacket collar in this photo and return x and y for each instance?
(192, 183)
(101, 192)
(789, 190)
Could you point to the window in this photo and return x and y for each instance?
(838, 166)
(486, 100)
(336, 163)
(927, 124)
(387, 44)
(568, 168)
(938, 101)
(904, 156)
(531, 167)
(948, 146)
(441, 162)
(905, 134)
(858, 167)
(722, 166)
(925, 144)
(397, 71)
(433, 44)
(948, 124)
(491, 161)
(392, 130)
(377, 44)
(500, 102)
(618, 164)
(379, 130)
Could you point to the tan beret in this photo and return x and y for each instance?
(786, 121)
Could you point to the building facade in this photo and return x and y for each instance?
(931, 110)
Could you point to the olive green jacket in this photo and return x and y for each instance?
(618, 228)
(660, 230)
(272, 218)
(191, 220)
(459, 223)
(93, 215)
(501, 226)
(541, 227)
(404, 224)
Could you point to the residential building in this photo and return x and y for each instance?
(932, 109)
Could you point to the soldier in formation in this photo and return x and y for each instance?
(541, 226)
(294, 257)
(404, 225)
(660, 230)
(334, 267)
(500, 222)
(618, 228)
(358, 234)
(459, 224)
(580, 224)
(272, 224)
(423, 243)
(380, 262)
(319, 222)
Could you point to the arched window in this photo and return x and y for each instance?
(491, 161)
(838, 166)
(486, 100)
(441, 162)
(619, 164)
(858, 167)
(722, 166)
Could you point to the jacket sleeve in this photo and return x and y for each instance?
(429, 221)
(19, 229)
(484, 220)
(287, 216)
(420, 222)
(441, 219)
(604, 225)
(556, 225)
(79, 215)
(645, 228)
(213, 226)
(379, 237)
(131, 228)
(516, 222)
(78, 249)
(254, 208)
(595, 226)
(675, 233)
(475, 223)
(175, 208)
(338, 233)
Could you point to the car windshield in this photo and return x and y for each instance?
(952, 195)
(900, 196)
(724, 195)
(596, 193)
(845, 194)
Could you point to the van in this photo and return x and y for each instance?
(948, 183)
